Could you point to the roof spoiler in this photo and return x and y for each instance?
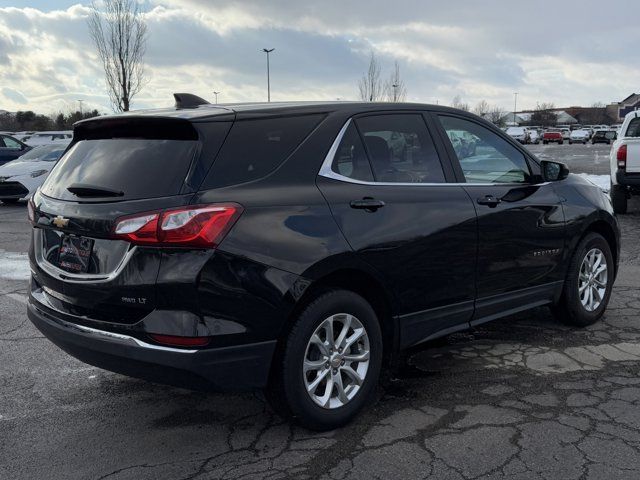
(188, 100)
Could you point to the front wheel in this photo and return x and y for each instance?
(560, 142)
(330, 363)
(619, 198)
(587, 287)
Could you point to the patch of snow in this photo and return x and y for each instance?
(14, 266)
(602, 181)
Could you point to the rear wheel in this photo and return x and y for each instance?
(619, 198)
(10, 201)
(544, 142)
(330, 362)
(587, 287)
(560, 142)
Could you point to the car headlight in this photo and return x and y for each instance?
(38, 173)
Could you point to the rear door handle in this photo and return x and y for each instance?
(489, 200)
(368, 204)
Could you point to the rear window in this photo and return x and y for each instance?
(633, 130)
(254, 148)
(141, 168)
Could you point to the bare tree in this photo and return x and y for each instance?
(394, 87)
(496, 115)
(544, 115)
(482, 108)
(370, 85)
(119, 32)
(459, 104)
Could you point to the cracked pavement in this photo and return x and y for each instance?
(520, 398)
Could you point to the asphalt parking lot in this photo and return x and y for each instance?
(521, 398)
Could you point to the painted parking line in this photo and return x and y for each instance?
(14, 266)
(17, 297)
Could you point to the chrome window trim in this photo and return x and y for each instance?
(327, 172)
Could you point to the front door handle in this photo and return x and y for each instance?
(368, 204)
(489, 200)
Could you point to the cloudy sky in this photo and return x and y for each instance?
(568, 53)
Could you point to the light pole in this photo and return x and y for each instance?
(80, 102)
(216, 94)
(515, 106)
(268, 51)
(395, 92)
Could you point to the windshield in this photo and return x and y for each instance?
(46, 153)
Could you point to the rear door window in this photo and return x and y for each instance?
(256, 147)
(138, 167)
(400, 149)
(351, 159)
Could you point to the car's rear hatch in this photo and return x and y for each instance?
(114, 168)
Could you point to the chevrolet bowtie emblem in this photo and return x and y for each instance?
(60, 221)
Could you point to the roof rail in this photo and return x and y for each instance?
(188, 100)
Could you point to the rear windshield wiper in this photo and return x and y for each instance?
(85, 190)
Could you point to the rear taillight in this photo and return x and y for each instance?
(201, 226)
(621, 156)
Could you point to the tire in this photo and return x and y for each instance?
(10, 201)
(570, 309)
(560, 142)
(544, 142)
(619, 198)
(287, 391)
(570, 142)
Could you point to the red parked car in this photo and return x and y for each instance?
(552, 136)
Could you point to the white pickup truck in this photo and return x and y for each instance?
(625, 163)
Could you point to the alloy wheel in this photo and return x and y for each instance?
(593, 278)
(336, 361)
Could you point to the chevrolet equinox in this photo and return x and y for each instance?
(297, 247)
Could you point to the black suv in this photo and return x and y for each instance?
(297, 247)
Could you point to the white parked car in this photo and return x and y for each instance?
(566, 133)
(579, 136)
(534, 136)
(518, 133)
(46, 138)
(624, 162)
(20, 178)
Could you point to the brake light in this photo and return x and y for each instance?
(201, 226)
(176, 341)
(621, 156)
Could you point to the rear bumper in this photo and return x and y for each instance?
(241, 367)
(627, 179)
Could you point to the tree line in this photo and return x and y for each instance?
(29, 120)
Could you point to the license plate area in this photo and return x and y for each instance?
(74, 253)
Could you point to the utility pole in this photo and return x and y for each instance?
(268, 51)
(515, 107)
(216, 94)
(395, 92)
(80, 103)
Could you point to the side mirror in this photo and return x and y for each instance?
(554, 171)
